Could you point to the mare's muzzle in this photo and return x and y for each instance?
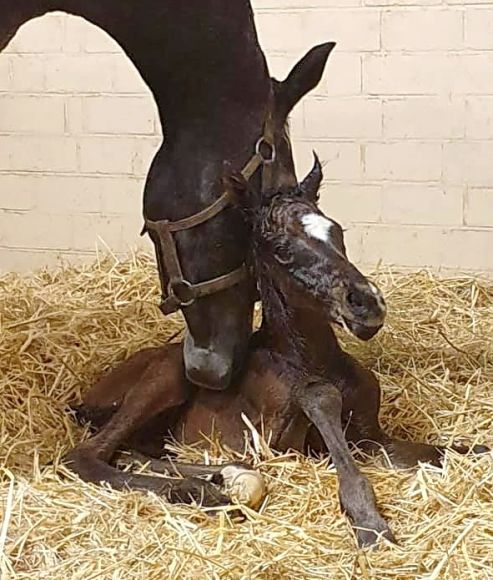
(205, 367)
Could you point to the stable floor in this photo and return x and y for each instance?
(60, 329)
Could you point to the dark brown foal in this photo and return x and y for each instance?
(297, 378)
(161, 386)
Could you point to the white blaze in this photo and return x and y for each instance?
(378, 295)
(317, 226)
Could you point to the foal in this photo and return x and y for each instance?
(296, 375)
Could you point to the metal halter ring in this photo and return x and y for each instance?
(258, 146)
(173, 286)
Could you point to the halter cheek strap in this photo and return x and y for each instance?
(177, 291)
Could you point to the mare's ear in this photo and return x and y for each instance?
(304, 77)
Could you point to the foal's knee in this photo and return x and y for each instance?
(323, 396)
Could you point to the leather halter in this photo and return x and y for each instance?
(179, 292)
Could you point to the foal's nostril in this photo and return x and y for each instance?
(355, 301)
(365, 304)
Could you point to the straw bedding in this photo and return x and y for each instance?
(61, 329)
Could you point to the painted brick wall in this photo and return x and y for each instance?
(403, 121)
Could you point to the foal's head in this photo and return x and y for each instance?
(302, 251)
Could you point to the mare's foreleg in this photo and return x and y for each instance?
(322, 403)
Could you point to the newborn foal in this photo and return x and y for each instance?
(296, 375)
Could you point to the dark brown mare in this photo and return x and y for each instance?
(298, 385)
(203, 64)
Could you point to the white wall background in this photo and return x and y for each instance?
(403, 120)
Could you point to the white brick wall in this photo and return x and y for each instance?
(403, 120)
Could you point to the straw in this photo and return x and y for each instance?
(61, 329)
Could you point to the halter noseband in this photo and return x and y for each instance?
(179, 292)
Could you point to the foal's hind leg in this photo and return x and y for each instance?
(322, 403)
(160, 387)
(226, 475)
(362, 406)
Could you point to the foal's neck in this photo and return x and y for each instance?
(303, 336)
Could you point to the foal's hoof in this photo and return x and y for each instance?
(244, 485)
(369, 536)
(218, 478)
(195, 490)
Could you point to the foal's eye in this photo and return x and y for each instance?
(283, 259)
(283, 255)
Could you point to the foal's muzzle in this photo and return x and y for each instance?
(364, 310)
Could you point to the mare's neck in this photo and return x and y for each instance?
(200, 58)
(203, 64)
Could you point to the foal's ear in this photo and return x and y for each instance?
(234, 182)
(304, 77)
(310, 186)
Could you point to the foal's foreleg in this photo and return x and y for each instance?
(154, 392)
(362, 405)
(322, 403)
(405, 454)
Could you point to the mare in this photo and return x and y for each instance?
(298, 385)
(203, 64)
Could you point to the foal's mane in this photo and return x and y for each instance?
(277, 314)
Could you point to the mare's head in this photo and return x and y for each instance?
(220, 324)
(302, 252)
